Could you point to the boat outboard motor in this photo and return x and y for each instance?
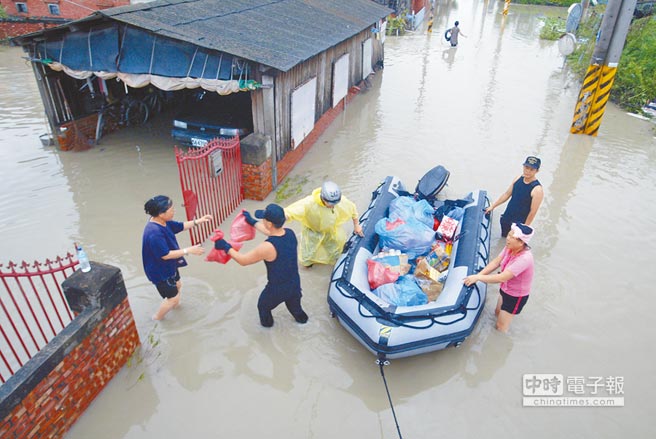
(431, 184)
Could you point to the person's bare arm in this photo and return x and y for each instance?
(503, 198)
(189, 224)
(537, 194)
(176, 254)
(263, 252)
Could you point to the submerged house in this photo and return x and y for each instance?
(295, 62)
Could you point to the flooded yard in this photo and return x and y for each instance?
(210, 370)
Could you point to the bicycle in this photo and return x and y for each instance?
(153, 100)
(129, 111)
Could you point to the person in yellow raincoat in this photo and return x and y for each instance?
(322, 215)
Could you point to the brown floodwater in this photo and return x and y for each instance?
(210, 370)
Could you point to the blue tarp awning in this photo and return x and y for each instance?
(134, 51)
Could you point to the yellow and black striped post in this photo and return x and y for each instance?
(506, 6)
(600, 76)
(593, 99)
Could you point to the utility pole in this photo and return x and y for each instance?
(506, 7)
(600, 76)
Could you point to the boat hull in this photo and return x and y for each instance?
(392, 332)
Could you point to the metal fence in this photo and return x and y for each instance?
(210, 179)
(33, 309)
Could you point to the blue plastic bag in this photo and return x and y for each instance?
(410, 236)
(405, 292)
(407, 207)
(456, 213)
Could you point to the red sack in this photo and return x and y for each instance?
(379, 274)
(240, 230)
(219, 255)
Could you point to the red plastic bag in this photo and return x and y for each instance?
(240, 230)
(379, 274)
(219, 255)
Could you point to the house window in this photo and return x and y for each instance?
(21, 8)
(53, 8)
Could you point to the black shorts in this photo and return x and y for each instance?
(168, 288)
(512, 304)
(506, 223)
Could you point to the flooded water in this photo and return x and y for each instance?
(210, 370)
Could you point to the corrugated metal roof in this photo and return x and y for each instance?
(276, 33)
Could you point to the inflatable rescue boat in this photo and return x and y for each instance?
(390, 331)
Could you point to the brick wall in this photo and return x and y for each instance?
(67, 9)
(58, 400)
(256, 180)
(51, 391)
(39, 16)
(80, 134)
(9, 29)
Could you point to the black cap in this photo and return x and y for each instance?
(532, 162)
(273, 213)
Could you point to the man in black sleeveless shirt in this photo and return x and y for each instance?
(280, 255)
(525, 194)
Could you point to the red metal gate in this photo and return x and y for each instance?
(210, 179)
(33, 309)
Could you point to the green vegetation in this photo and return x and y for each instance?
(396, 25)
(635, 81)
(3, 13)
(143, 357)
(291, 187)
(553, 28)
(586, 36)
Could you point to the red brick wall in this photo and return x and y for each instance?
(58, 401)
(80, 134)
(67, 9)
(10, 29)
(256, 180)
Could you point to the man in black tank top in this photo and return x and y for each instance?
(525, 194)
(279, 253)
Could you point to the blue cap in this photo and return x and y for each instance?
(273, 213)
(532, 162)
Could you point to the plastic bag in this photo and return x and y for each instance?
(412, 237)
(379, 274)
(221, 256)
(407, 207)
(240, 230)
(394, 259)
(456, 213)
(405, 292)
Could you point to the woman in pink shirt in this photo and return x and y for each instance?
(516, 276)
